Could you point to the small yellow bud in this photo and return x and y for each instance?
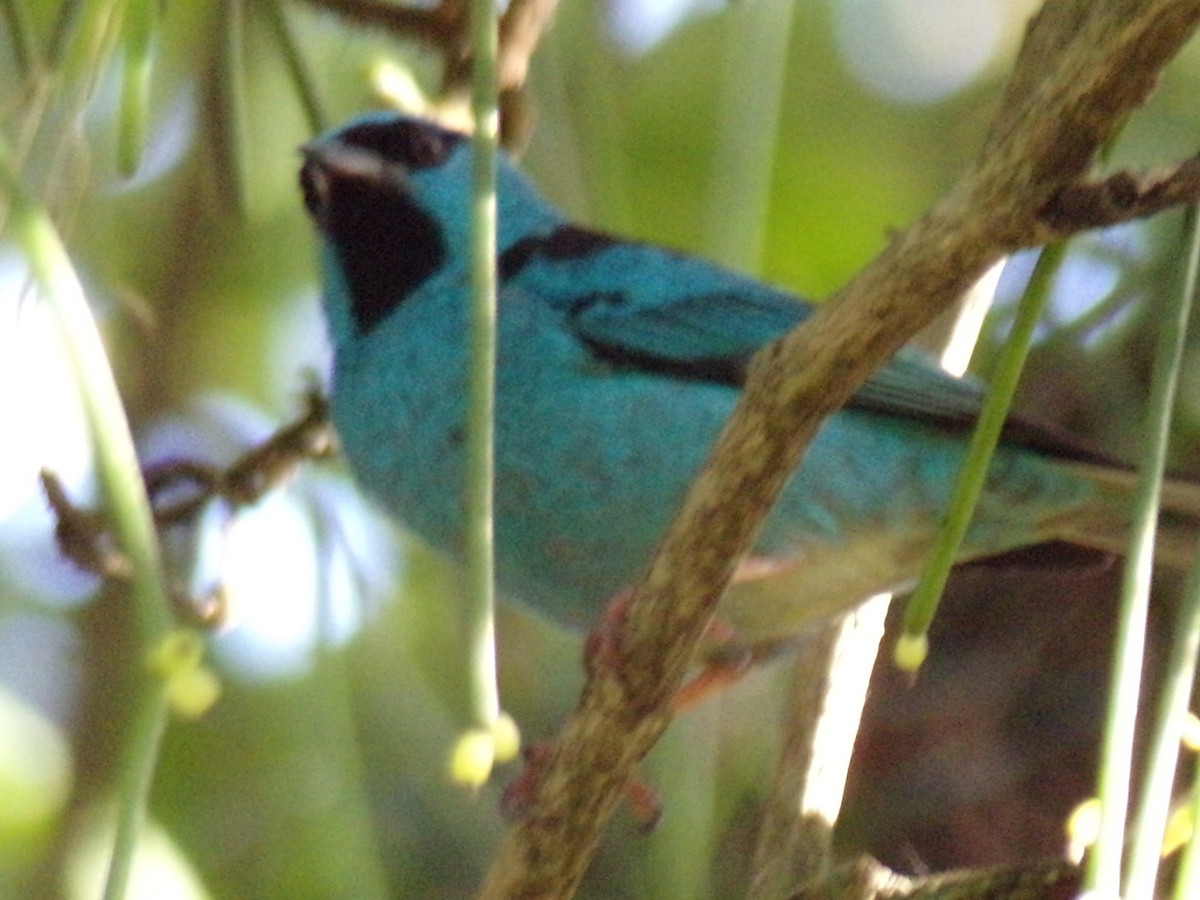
(1191, 732)
(181, 649)
(1179, 829)
(910, 652)
(1083, 826)
(472, 758)
(191, 687)
(192, 693)
(506, 737)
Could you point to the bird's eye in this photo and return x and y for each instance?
(427, 147)
(413, 143)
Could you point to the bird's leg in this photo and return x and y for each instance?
(602, 644)
(84, 536)
(601, 647)
(725, 663)
(723, 667)
(727, 659)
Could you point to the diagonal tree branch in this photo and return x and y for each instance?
(1084, 66)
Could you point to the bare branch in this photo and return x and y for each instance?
(83, 536)
(440, 25)
(865, 878)
(1121, 197)
(521, 28)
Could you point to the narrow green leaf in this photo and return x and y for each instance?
(1103, 873)
(20, 34)
(125, 497)
(922, 606)
(306, 88)
(141, 17)
(480, 613)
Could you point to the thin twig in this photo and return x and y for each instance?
(444, 28)
(440, 25)
(1122, 196)
(865, 878)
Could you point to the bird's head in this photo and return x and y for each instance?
(391, 198)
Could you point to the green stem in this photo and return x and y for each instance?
(140, 19)
(1103, 873)
(67, 21)
(137, 776)
(124, 495)
(83, 41)
(116, 459)
(750, 102)
(480, 615)
(922, 606)
(306, 89)
(231, 112)
(1187, 882)
(21, 35)
(1163, 759)
(1171, 717)
(353, 819)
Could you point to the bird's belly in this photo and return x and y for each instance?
(858, 518)
(779, 597)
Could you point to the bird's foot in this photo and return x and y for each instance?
(602, 645)
(518, 797)
(725, 665)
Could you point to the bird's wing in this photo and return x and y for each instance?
(640, 307)
(911, 385)
(705, 336)
(711, 336)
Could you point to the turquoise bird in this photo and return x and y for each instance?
(618, 363)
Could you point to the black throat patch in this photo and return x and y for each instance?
(388, 247)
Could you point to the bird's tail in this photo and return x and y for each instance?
(1105, 524)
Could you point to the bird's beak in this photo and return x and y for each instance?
(330, 162)
(346, 160)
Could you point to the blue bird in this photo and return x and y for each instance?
(618, 363)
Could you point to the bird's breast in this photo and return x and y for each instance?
(592, 461)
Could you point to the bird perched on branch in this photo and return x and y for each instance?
(618, 363)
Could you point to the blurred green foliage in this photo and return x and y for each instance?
(742, 135)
